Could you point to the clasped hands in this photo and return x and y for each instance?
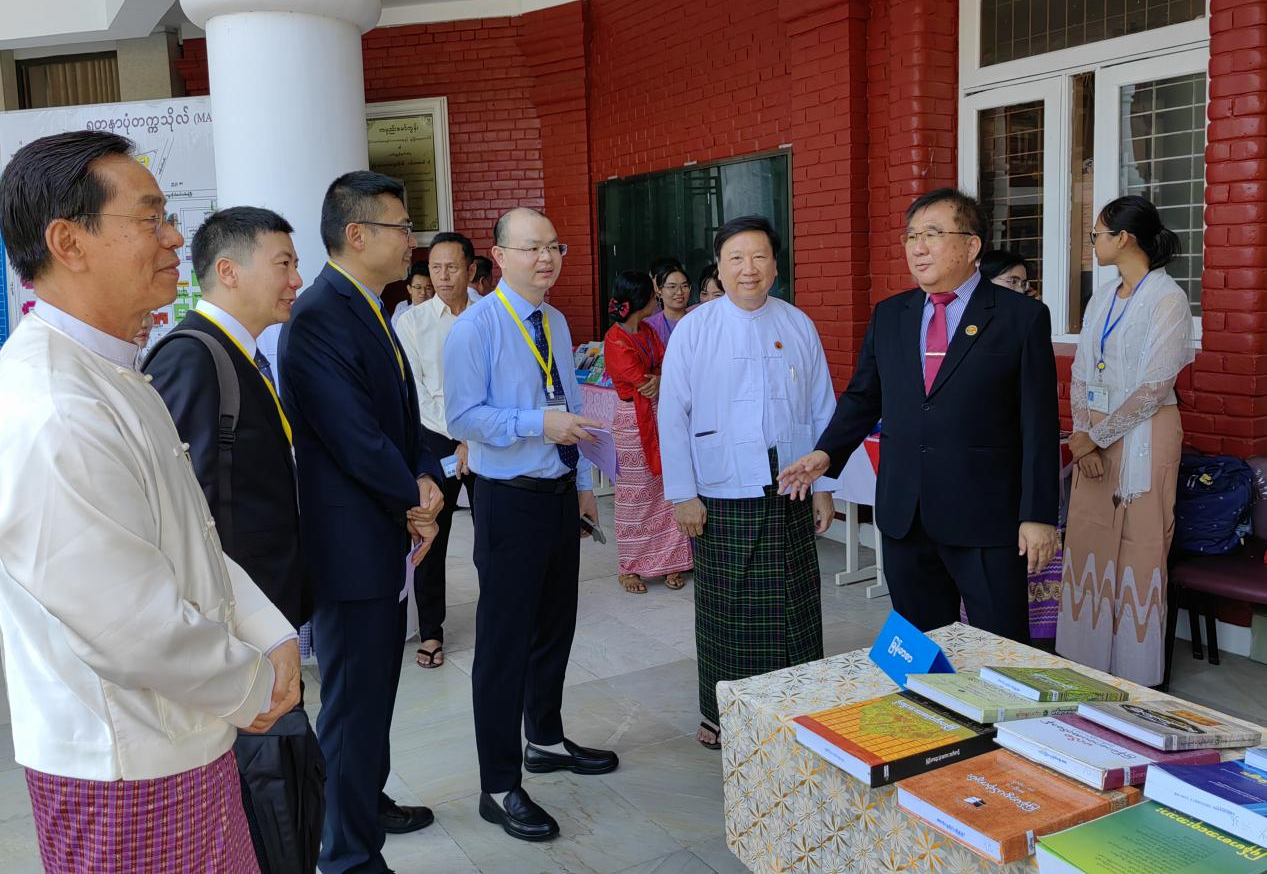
(421, 520)
(1086, 454)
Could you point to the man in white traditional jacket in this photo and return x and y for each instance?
(133, 648)
(745, 389)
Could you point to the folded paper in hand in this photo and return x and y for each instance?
(601, 451)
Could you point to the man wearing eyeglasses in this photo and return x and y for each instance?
(507, 394)
(963, 375)
(368, 485)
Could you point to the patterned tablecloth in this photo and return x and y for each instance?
(787, 809)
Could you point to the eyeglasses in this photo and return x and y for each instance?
(676, 286)
(407, 227)
(930, 238)
(157, 221)
(553, 249)
(1016, 283)
(1093, 234)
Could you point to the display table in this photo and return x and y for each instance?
(788, 810)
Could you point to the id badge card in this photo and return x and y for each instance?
(556, 402)
(450, 465)
(1098, 399)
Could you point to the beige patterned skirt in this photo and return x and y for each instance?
(1113, 591)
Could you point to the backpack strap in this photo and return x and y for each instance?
(230, 405)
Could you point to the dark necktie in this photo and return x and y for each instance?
(935, 343)
(569, 455)
(262, 363)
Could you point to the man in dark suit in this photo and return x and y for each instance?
(249, 275)
(962, 373)
(363, 467)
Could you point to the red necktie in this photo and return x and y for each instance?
(935, 342)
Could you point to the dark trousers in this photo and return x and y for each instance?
(926, 580)
(359, 649)
(528, 554)
(429, 577)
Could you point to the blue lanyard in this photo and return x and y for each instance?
(1109, 328)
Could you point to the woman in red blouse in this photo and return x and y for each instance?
(647, 539)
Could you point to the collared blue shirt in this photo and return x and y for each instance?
(954, 312)
(494, 396)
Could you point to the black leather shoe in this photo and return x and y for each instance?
(519, 815)
(398, 819)
(579, 760)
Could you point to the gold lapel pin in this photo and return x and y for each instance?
(971, 330)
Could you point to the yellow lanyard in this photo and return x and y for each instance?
(547, 363)
(400, 362)
(271, 390)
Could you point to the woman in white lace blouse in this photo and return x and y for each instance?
(1127, 440)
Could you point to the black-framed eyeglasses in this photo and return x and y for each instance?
(930, 238)
(554, 249)
(407, 227)
(156, 221)
(1092, 235)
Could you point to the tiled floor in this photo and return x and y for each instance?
(632, 687)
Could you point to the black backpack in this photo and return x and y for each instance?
(283, 772)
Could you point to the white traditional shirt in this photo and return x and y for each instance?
(736, 384)
(133, 647)
(422, 331)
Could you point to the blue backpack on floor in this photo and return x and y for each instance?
(1212, 503)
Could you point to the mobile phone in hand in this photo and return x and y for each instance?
(590, 526)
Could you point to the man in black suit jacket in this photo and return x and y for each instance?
(367, 482)
(962, 375)
(248, 271)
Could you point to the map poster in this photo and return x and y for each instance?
(404, 147)
(173, 140)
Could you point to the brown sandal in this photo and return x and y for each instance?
(633, 584)
(674, 581)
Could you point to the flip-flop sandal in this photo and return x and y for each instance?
(715, 745)
(430, 655)
(626, 580)
(674, 581)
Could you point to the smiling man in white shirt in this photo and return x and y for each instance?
(134, 647)
(745, 390)
(423, 330)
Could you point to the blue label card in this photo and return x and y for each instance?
(903, 649)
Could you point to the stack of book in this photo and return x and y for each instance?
(1148, 839)
(1090, 753)
(1170, 725)
(1231, 796)
(969, 695)
(1051, 684)
(998, 804)
(891, 737)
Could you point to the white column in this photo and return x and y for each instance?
(287, 106)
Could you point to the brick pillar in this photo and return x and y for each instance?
(553, 43)
(827, 64)
(913, 105)
(1229, 379)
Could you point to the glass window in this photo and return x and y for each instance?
(1013, 29)
(1010, 174)
(1163, 159)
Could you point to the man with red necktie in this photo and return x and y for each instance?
(964, 376)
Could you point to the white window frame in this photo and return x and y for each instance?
(1056, 193)
(438, 108)
(1108, 130)
(973, 77)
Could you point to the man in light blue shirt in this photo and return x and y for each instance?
(508, 397)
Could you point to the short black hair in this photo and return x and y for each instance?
(631, 291)
(968, 211)
(743, 224)
(663, 268)
(998, 261)
(499, 229)
(417, 268)
(49, 179)
(232, 233)
(483, 268)
(468, 251)
(353, 197)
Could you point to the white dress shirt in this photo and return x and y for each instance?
(422, 331)
(235, 329)
(133, 646)
(736, 384)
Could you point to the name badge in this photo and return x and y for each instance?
(450, 466)
(1098, 400)
(902, 649)
(558, 401)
